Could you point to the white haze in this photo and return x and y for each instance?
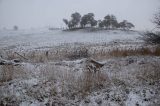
(42, 13)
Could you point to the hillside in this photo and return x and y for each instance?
(78, 68)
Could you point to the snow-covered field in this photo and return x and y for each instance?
(44, 38)
(55, 69)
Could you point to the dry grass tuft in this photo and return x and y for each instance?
(90, 81)
(135, 52)
(6, 73)
(149, 74)
(10, 72)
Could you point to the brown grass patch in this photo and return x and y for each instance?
(149, 74)
(10, 72)
(90, 81)
(79, 52)
(6, 73)
(135, 52)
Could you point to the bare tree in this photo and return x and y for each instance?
(150, 36)
(156, 19)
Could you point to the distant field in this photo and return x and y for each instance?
(28, 39)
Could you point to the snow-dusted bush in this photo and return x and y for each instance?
(151, 38)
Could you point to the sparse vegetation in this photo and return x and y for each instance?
(62, 79)
(94, 61)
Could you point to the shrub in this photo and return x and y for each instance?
(151, 38)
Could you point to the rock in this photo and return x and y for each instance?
(87, 100)
(93, 65)
(141, 62)
(98, 101)
(2, 103)
(47, 104)
(127, 91)
(8, 62)
(16, 60)
(137, 104)
(146, 99)
(107, 97)
(130, 61)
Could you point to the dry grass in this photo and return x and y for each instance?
(135, 52)
(91, 81)
(10, 72)
(87, 82)
(72, 84)
(81, 52)
(72, 53)
(149, 73)
(6, 73)
(118, 52)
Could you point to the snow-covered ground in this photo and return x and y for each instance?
(57, 70)
(121, 82)
(28, 39)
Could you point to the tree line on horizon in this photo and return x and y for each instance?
(109, 22)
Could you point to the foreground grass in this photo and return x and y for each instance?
(118, 78)
(72, 83)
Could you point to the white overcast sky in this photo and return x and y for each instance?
(41, 13)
